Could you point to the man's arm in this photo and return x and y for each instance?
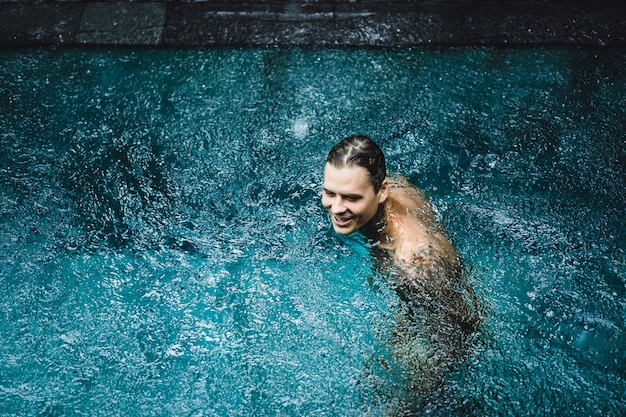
(421, 242)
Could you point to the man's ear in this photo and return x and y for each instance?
(383, 193)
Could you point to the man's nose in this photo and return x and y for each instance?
(338, 205)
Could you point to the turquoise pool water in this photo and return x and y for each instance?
(164, 251)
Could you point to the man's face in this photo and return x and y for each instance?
(349, 197)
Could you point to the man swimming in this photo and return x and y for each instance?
(402, 227)
(392, 213)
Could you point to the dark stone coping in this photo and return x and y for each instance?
(314, 23)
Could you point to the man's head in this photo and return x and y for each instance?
(354, 183)
(360, 151)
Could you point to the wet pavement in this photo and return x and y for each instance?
(313, 23)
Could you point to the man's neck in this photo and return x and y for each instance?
(374, 230)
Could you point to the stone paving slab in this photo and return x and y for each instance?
(317, 23)
(45, 23)
(122, 23)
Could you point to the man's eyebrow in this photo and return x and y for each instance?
(347, 196)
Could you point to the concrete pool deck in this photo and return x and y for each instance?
(323, 23)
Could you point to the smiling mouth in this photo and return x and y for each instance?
(342, 221)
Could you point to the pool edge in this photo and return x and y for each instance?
(302, 23)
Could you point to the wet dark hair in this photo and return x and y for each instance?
(363, 152)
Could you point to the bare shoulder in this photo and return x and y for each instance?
(419, 239)
(411, 198)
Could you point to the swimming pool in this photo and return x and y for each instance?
(165, 252)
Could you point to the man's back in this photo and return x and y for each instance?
(412, 234)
